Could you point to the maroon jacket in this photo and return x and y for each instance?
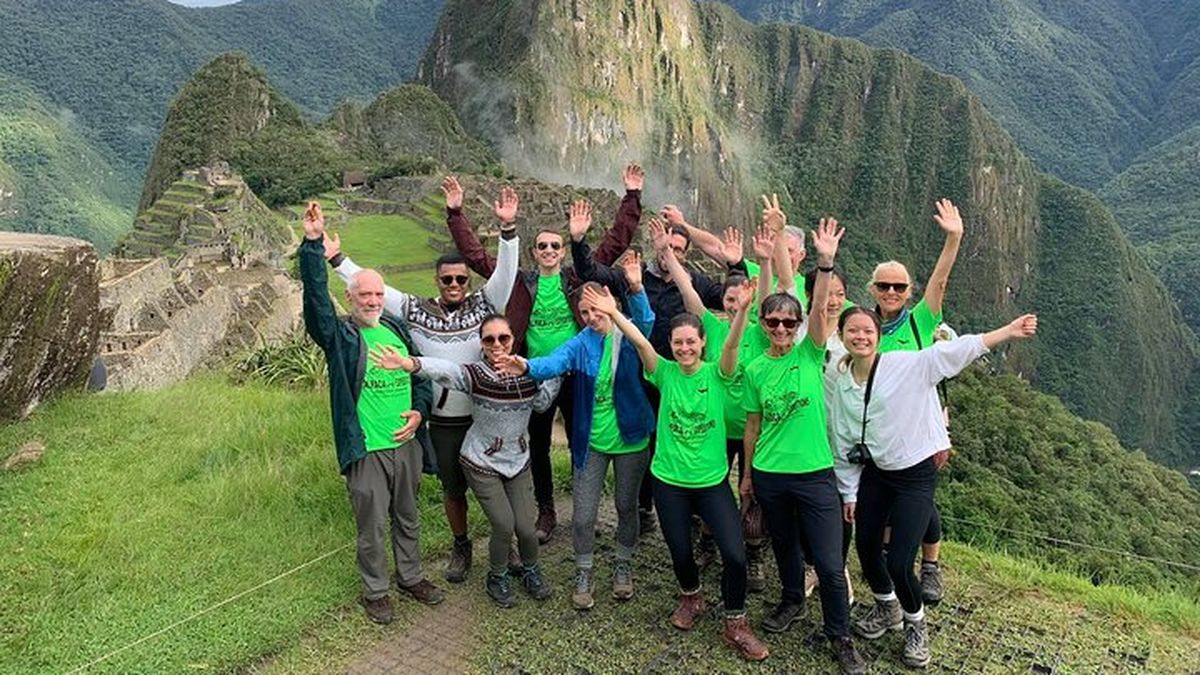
(520, 303)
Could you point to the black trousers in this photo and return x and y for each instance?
(905, 498)
(541, 427)
(646, 493)
(715, 505)
(734, 449)
(806, 506)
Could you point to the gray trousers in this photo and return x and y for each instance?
(588, 486)
(383, 489)
(511, 509)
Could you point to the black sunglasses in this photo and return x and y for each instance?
(885, 286)
(503, 338)
(772, 322)
(460, 279)
(543, 245)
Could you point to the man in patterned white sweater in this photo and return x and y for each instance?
(447, 327)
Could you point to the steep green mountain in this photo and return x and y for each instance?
(719, 109)
(53, 180)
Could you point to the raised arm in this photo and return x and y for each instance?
(605, 302)
(949, 358)
(708, 243)
(320, 318)
(558, 362)
(586, 267)
(826, 238)
(636, 302)
(951, 223)
(729, 350)
(445, 373)
(500, 285)
(618, 237)
(465, 240)
(764, 242)
(683, 281)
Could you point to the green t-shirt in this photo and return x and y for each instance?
(788, 391)
(385, 393)
(690, 450)
(753, 268)
(903, 340)
(606, 435)
(754, 343)
(551, 322)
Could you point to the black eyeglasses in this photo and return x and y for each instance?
(885, 286)
(773, 322)
(503, 338)
(460, 279)
(543, 245)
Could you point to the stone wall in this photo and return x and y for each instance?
(49, 318)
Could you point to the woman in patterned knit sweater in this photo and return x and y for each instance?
(495, 453)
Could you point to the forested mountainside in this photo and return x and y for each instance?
(721, 109)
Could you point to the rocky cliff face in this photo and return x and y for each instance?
(49, 319)
(720, 110)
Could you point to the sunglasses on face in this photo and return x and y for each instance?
(885, 286)
(502, 338)
(773, 322)
(543, 245)
(449, 279)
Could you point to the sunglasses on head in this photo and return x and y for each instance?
(885, 286)
(502, 338)
(460, 279)
(772, 322)
(543, 245)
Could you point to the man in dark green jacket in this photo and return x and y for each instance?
(377, 414)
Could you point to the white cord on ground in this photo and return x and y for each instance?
(206, 610)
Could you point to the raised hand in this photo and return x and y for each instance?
(333, 245)
(581, 219)
(763, 243)
(631, 262)
(412, 420)
(506, 207)
(512, 365)
(1023, 327)
(314, 221)
(600, 300)
(731, 246)
(659, 236)
(745, 294)
(634, 176)
(453, 192)
(673, 215)
(947, 217)
(773, 216)
(825, 240)
(388, 358)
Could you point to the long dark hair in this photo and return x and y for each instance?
(810, 283)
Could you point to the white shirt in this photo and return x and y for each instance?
(905, 425)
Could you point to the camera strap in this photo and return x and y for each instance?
(867, 397)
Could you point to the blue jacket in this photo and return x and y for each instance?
(581, 355)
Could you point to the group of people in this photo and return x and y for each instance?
(829, 411)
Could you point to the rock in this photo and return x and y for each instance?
(25, 456)
(49, 318)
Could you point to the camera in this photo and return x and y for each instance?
(859, 454)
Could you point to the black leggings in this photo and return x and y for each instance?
(715, 505)
(541, 426)
(933, 533)
(646, 492)
(907, 497)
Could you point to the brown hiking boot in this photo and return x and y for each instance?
(547, 521)
(741, 638)
(460, 562)
(691, 606)
(425, 592)
(379, 609)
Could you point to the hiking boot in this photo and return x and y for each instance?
(516, 568)
(783, 616)
(849, 588)
(622, 580)
(499, 590)
(646, 522)
(884, 616)
(425, 592)
(535, 584)
(691, 605)
(931, 583)
(741, 638)
(460, 562)
(811, 581)
(582, 597)
(379, 609)
(706, 551)
(916, 644)
(756, 579)
(847, 656)
(547, 521)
